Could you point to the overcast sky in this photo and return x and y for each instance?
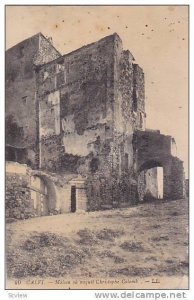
(157, 36)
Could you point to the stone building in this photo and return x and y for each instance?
(78, 122)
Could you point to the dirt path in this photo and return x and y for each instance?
(147, 241)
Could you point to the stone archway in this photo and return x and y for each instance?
(173, 175)
(43, 194)
(150, 181)
(152, 149)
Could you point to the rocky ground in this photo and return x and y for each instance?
(149, 240)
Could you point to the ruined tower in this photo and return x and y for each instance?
(82, 115)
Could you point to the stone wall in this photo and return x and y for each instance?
(174, 179)
(141, 186)
(151, 146)
(123, 90)
(187, 187)
(18, 204)
(46, 51)
(129, 110)
(32, 193)
(20, 95)
(76, 95)
(152, 149)
(84, 114)
(21, 101)
(87, 121)
(85, 106)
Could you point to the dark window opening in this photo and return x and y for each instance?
(73, 198)
(10, 154)
(16, 154)
(94, 165)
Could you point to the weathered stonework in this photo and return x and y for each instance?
(153, 149)
(18, 203)
(83, 113)
(21, 99)
(32, 193)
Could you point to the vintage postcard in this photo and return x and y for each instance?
(96, 124)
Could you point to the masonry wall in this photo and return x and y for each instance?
(129, 112)
(80, 89)
(84, 113)
(20, 94)
(153, 149)
(87, 118)
(18, 203)
(128, 79)
(21, 100)
(174, 179)
(33, 193)
(151, 146)
(76, 106)
(121, 189)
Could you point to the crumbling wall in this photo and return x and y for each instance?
(152, 149)
(119, 187)
(138, 90)
(32, 193)
(151, 146)
(123, 90)
(84, 113)
(21, 101)
(129, 114)
(76, 115)
(187, 187)
(46, 51)
(174, 179)
(141, 186)
(84, 82)
(18, 204)
(20, 94)
(112, 183)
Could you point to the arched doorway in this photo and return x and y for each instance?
(151, 181)
(43, 195)
(39, 196)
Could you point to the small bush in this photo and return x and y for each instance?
(132, 246)
(87, 237)
(42, 240)
(109, 234)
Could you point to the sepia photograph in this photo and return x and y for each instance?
(96, 147)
